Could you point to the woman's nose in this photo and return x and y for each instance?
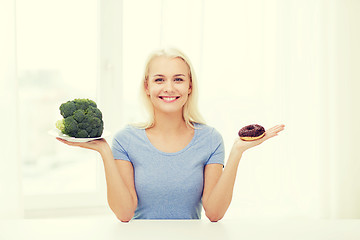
(169, 87)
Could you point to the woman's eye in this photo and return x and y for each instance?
(178, 80)
(158, 80)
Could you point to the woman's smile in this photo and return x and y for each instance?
(169, 99)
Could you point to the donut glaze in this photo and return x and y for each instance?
(251, 132)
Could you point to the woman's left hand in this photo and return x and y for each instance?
(241, 145)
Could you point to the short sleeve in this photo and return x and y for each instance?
(217, 148)
(120, 144)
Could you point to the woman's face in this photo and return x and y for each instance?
(168, 84)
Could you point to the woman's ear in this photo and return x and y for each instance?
(146, 88)
(190, 89)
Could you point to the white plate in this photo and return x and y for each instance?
(57, 133)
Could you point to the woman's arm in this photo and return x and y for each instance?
(119, 174)
(219, 185)
(121, 192)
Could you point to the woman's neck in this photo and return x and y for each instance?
(169, 123)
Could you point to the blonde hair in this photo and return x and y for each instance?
(191, 113)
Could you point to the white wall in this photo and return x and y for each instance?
(347, 130)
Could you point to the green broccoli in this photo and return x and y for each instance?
(82, 119)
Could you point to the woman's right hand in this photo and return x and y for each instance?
(99, 145)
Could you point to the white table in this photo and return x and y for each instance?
(110, 228)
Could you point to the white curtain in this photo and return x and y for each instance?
(11, 205)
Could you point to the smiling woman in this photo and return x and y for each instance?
(173, 165)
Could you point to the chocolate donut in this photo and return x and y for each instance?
(252, 132)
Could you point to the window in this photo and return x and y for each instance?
(57, 60)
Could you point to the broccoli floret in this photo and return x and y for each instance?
(70, 126)
(79, 115)
(82, 119)
(67, 109)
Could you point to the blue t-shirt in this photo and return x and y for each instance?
(169, 185)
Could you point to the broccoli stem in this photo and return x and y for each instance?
(60, 125)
